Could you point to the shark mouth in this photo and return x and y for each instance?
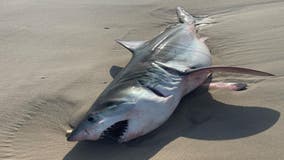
(115, 131)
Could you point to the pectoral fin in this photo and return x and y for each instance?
(185, 70)
(114, 70)
(227, 69)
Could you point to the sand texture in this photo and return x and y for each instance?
(54, 62)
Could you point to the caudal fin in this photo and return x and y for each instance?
(131, 45)
(199, 21)
(183, 16)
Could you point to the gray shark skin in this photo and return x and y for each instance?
(144, 94)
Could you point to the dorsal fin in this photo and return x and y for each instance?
(131, 45)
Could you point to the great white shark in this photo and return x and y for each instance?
(145, 93)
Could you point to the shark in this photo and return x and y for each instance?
(145, 93)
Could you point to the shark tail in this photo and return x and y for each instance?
(185, 17)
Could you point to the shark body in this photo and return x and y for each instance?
(145, 93)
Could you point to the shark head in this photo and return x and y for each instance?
(121, 117)
(110, 122)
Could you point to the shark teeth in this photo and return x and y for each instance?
(116, 131)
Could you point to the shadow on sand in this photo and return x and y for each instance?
(198, 116)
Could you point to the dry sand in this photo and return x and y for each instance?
(54, 61)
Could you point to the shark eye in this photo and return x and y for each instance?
(91, 119)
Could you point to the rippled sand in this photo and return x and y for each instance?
(54, 61)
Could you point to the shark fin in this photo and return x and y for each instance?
(114, 70)
(184, 17)
(131, 45)
(228, 69)
(211, 69)
(198, 21)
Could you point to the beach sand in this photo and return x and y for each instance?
(54, 62)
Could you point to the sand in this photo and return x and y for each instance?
(54, 62)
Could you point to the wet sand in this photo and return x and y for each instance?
(54, 62)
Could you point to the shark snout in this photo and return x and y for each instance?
(77, 135)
